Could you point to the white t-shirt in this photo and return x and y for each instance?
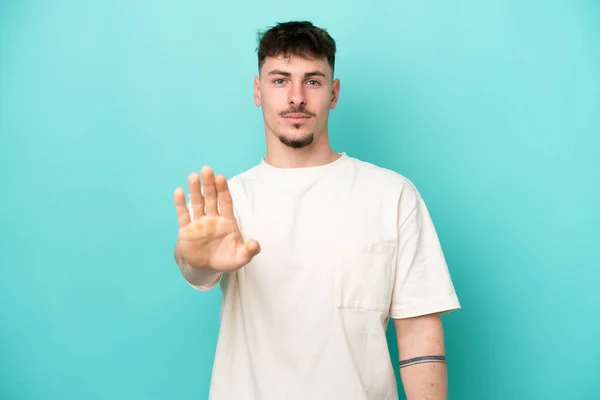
(345, 246)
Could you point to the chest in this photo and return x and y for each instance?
(339, 243)
(311, 227)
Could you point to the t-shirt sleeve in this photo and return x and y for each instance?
(422, 282)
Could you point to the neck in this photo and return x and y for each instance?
(318, 153)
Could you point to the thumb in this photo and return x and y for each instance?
(252, 247)
(247, 251)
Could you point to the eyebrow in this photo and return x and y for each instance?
(306, 75)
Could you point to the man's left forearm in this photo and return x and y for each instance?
(422, 357)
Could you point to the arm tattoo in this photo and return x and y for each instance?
(421, 360)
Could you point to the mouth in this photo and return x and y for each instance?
(296, 117)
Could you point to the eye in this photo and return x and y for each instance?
(278, 81)
(314, 82)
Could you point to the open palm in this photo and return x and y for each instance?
(210, 237)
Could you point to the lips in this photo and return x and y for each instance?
(296, 116)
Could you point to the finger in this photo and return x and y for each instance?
(183, 214)
(224, 197)
(210, 192)
(252, 247)
(248, 250)
(196, 194)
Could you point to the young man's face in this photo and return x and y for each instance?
(296, 95)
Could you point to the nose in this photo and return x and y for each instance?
(296, 96)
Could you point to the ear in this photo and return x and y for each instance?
(257, 91)
(335, 93)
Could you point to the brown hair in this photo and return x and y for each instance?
(296, 38)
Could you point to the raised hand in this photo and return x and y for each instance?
(211, 239)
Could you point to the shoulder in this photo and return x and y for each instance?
(385, 181)
(243, 184)
(241, 179)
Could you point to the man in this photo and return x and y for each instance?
(314, 250)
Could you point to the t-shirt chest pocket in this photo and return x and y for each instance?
(363, 275)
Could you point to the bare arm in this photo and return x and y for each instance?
(422, 357)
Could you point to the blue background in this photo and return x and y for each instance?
(491, 108)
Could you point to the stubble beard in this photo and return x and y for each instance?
(297, 143)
